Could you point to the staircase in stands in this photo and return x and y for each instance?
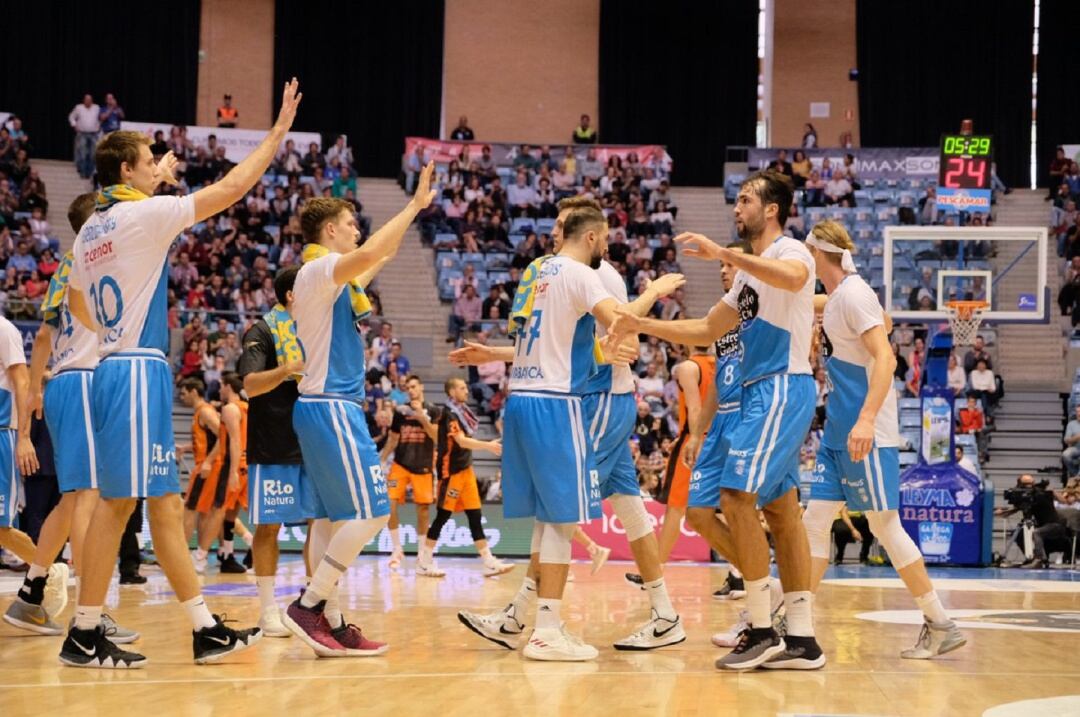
(62, 185)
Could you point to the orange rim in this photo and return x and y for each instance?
(965, 309)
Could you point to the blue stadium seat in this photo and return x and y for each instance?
(497, 260)
(445, 239)
(516, 238)
(447, 260)
(545, 226)
(523, 224)
(498, 277)
(474, 258)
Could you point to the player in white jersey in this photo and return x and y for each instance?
(66, 402)
(118, 285)
(339, 456)
(858, 462)
(772, 302)
(609, 410)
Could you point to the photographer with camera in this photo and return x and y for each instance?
(1041, 522)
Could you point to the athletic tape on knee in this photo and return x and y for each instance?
(818, 519)
(538, 532)
(889, 531)
(630, 510)
(555, 543)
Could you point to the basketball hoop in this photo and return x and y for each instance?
(965, 317)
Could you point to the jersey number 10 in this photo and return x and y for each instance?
(104, 316)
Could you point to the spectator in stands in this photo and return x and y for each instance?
(651, 385)
(48, 264)
(20, 169)
(849, 527)
(781, 163)
(462, 132)
(227, 115)
(661, 219)
(112, 114)
(398, 360)
(971, 420)
(497, 301)
(547, 201)
(838, 190)
(85, 119)
(1058, 166)
(913, 378)
(809, 137)
(33, 193)
(1070, 457)
(814, 190)
(524, 160)
(901, 363)
(957, 377)
(800, 168)
(22, 260)
(344, 183)
(467, 312)
(585, 133)
(964, 462)
(341, 152)
(522, 198)
(159, 148)
(591, 167)
(984, 385)
(663, 194)
(977, 353)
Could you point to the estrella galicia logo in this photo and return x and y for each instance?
(728, 344)
(748, 305)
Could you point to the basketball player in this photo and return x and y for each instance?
(773, 298)
(609, 409)
(412, 441)
(458, 490)
(66, 400)
(198, 505)
(858, 462)
(118, 285)
(339, 455)
(232, 481)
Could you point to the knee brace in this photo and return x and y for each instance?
(630, 510)
(538, 533)
(476, 525)
(818, 519)
(889, 531)
(555, 542)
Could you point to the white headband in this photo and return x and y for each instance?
(846, 262)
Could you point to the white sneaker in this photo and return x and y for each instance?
(200, 563)
(429, 570)
(730, 637)
(500, 627)
(935, 640)
(56, 589)
(599, 557)
(558, 646)
(496, 567)
(570, 576)
(657, 632)
(271, 625)
(395, 559)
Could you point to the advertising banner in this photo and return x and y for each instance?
(964, 200)
(442, 152)
(609, 532)
(870, 162)
(238, 143)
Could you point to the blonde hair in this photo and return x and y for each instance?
(834, 233)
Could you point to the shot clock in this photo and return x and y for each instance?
(964, 172)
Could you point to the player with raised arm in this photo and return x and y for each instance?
(772, 303)
(339, 456)
(858, 462)
(119, 285)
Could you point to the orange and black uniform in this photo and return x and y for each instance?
(226, 116)
(216, 493)
(202, 442)
(414, 458)
(675, 490)
(458, 489)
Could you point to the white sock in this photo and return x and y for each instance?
(800, 613)
(332, 611)
(525, 595)
(757, 603)
(660, 600)
(346, 544)
(485, 553)
(395, 538)
(78, 588)
(36, 571)
(198, 613)
(424, 554)
(930, 604)
(776, 594)
(86, 617)
(547, 614)
(200, 554)
(265, 586)
(227, 547)
(734, 572)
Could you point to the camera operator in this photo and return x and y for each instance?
(1037, 505)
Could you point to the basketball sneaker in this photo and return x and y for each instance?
(553, 645)
(800, 653)
(91, 648)
(27, 616)
(199, 562)
(55, 598)
(657, 632)
(730, 637)
(500, 627)
(271, 625)
(634, 580)
(396, 556)
(229, 564)
(210, 644)
(495, 567)
(113, 630)
(429, 570)
(309, 624)
(756, 646)
(934, 640)
(734, 589)
(355, 644)
(599, 555)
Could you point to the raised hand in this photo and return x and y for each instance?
(700, 246)
(166, 169)
(471, 354)
(667, 284)
(290, 100)
(424, 193)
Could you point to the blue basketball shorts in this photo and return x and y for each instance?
(68, 416)
(871, 484)
(12, 494)
(340, 458)
(709, 468)
(131, 407)
(548, 471)
(281, 493)
(763, 456)
(611, 418)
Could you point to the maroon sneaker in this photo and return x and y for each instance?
(309, 625)
(355, 644)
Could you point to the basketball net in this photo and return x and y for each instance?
(965, 317)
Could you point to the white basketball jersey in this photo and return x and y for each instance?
(74, 345)
(616, 379)
(11, 354)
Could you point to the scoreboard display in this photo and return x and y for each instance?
(964, 170)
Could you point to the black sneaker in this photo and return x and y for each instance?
(132, 579)
(249, 561)
(734, 589)
(33, 591)
(756, 646)
(229, 565)
(635, 580)
(210, 644)
(800, 653)
(92, 648)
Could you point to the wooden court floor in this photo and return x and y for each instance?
(1023, 644)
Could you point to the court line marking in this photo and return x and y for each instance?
(544, 673)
